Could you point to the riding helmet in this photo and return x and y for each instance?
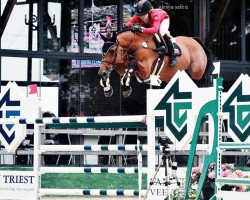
(142, 7)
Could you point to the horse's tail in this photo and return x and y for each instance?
(206, 80)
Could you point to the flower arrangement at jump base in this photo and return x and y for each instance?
(227, 171)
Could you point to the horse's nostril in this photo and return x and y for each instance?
(100, 73)
(104, 75)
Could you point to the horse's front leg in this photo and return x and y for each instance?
(105, 83)
(107, 88)
(125, 80)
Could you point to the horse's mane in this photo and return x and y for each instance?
(123, 30)
(109, 42)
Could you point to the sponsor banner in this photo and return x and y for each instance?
(236, 109)
(85, 63)
(162, 186)
(11, 102)
(179, 102)
(14, 104)
(17, 185)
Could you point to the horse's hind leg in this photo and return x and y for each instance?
(125, 80)
(203, 78)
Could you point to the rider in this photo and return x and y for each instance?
(153, 21)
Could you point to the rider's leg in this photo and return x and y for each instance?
(165, 33)
(173, 57)
(160, 48)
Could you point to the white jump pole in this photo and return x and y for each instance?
(74, 120)
(37, 159)
(151, 148)
(139, 157)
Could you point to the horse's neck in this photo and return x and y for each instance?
(134, 40)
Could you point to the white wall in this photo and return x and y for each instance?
(49, 98)
(15, 37)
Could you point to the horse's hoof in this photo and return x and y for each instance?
(127, 90)
(108, 93)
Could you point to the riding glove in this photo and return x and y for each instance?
(136, 29)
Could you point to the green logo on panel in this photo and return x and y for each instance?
(176, 104)
(238, 107)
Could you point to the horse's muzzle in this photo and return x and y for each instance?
(103, 74)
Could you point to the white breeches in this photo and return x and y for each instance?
(164, 29)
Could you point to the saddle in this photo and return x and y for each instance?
(160, 40)
(177, 49)
(160, 62)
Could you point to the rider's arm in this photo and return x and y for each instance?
(156, 16)
(133, 20)
(154, 27)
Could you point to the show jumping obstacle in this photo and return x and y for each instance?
(40, 149)
(212, 107)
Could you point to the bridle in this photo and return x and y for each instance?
(112, 63)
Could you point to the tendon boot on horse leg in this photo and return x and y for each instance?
(125, 80)
(160, 48)
(173, 57)
(105, 82)
(107, 88)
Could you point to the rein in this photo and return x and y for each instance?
(106, 63)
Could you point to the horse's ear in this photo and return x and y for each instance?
(105, 39)
(113, 39)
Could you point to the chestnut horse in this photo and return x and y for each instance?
(134, 54)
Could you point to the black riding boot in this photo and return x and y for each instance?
(160, 48)
(173, 57)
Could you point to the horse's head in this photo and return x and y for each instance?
(108, 62)
(109, 55)
(120, 50)
(111, 60)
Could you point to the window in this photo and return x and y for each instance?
(15, 35)
(100, 18)
(227, 42)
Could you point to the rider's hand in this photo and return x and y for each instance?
(136, 29)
